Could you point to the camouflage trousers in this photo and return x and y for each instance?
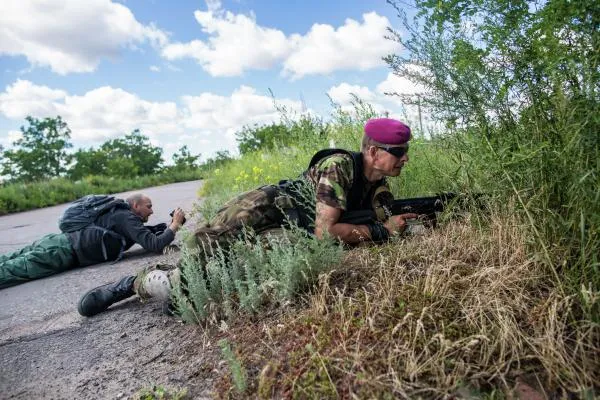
(261, 210)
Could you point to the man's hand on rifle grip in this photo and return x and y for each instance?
(397, 223)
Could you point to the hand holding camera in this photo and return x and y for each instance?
(176, 214)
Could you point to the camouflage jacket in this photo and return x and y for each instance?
(333, 178)
(336, 178)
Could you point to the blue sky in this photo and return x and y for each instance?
(190, 72)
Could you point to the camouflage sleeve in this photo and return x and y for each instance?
(333, 177)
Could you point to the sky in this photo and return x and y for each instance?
(191, 72)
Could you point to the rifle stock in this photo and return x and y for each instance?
(426, 207)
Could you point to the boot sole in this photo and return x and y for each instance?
(86, 306)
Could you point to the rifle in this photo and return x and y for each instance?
(426, 207)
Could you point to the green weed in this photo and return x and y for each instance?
(238, 373)
(160, 392)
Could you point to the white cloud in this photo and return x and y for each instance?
(107, 112)
(416, 115)
(219, 117)
(400, 85)
(97, 115)
(154, 68)
(243, 107)
(10, 138)
(206, 122)
(352, 46)
(14, 135)
(393, 106)
(171, 67)
(236, 43)
(23, 98)
(71, 35)
(213, 5)
(342, 94)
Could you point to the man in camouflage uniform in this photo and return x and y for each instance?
(341, 181)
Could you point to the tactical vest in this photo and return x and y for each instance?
(304, 214)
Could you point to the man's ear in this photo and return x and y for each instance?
(372, 151)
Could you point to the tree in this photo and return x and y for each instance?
(488, 62)
(251, 139)
(221, 158)
(290, 132)
(183, 159)
(132, 155)
(41, 152)
(88, 162)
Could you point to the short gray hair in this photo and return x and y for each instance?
(135, 198)
(368, 142)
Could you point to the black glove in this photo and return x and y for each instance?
(157, 229)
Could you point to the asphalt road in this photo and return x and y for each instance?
(49, 304)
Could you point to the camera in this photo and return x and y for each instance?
(173, 212)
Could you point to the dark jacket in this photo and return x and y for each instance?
(87, 243)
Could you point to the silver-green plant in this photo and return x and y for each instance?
(238, 372)
(255, 271)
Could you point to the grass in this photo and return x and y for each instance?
(457, 310)
(484, 307)
(18, 197)
(161, 392)
(238, 373)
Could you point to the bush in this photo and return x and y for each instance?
(523, 118)
(253, 273)
(15, 197)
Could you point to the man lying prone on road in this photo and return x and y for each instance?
(95, 229)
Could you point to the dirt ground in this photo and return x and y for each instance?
(49, 351)
(110, 356)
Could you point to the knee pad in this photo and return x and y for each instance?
(174, 276)
(156, 285)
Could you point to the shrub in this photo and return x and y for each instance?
(253, 273)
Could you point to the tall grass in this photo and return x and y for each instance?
(518, 83)
(552, 171)
(484, 307)
(461, 312)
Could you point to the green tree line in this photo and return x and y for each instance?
(42, 153)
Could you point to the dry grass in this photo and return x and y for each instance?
(457, 312)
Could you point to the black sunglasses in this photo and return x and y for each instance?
(398, 152)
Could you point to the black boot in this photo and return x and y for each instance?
(99, 299)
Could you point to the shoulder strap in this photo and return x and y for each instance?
(358, 183)
(321, 154)
(106, 231)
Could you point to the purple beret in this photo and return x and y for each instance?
(387, 131)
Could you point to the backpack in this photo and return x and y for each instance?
(84, 212)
